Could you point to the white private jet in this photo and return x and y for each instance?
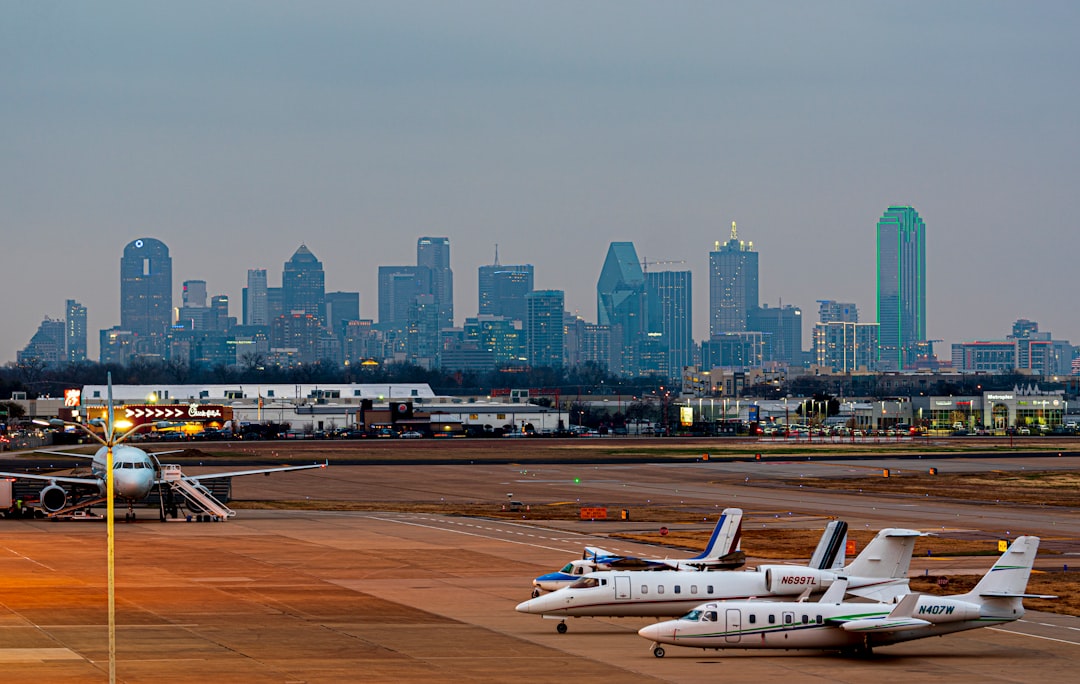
(879, 573)
(830, 624)
(721, 553)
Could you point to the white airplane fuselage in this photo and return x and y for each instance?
(134, 472)
(670, 593)
(806, 625)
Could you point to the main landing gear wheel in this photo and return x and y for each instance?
(658, 651)
(561, 628)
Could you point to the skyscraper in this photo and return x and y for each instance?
(303, 285)
(341, 307)
(544, 328)
(256, 310)
(399, 286)
(146, 288)
(901, 286)
(733, 284)
(75, 322)
(670, 313)
(620, 302)
(434, 253)
(46, 346)
(502, 289)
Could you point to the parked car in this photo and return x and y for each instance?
(412, 434)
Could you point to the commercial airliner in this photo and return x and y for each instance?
(721, 553)
(879, 573)
(135, 474)
(831, 624)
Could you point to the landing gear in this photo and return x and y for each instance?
(561, 628)
(658, 651)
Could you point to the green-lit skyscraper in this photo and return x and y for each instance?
(901, 286)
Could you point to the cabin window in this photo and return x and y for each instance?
(806, 619)
(644, 588)
(678, 589)
(660, 589)
(586, 583)
(693, 588)
(818, 620)
(753, 618)
(710, 589)
(772, 619)
(788, 619)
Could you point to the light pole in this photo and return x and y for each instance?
(110, 440)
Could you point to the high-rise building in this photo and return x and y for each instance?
(901, 286)
(621, 303)
(782, 327)
(544, 328)
(846, 346)
(256, 311)
(670, 314)
(47, 346)
(219, 318)
(434, 253)
(194, 293)
(733, 284)
(830, 311)
(502, 290)
(146, 288)
(399, 286)
(303, 285)
(75, 324)
(341, 307)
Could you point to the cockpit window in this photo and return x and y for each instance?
(586, 583)
(568, 568)
(710, 616)
(692, 616)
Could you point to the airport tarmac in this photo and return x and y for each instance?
(336, 596)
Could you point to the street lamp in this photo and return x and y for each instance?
(110, 440)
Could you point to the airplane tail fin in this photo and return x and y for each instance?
(829, 554)
(887, 555)
(1008, 578)
(725, 537)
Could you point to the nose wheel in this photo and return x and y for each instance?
(561, 628)
(658, 651)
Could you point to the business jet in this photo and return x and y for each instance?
(879, 573)
(831, 624)
(721, 553)
(135, 474)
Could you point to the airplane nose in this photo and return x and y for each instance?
(524, 607)
(651, 632)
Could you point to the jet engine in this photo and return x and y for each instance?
(53, 498)
(785, 580)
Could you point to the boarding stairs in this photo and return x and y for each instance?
(197, 496)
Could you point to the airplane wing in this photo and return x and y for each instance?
(88, 481)
(69, 454)
(900, 618)
(885, 591)
(260, 471)
(729, 561)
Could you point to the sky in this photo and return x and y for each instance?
(235, 131)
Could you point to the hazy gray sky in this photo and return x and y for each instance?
(234, 131)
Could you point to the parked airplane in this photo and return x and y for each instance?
(135, 474)
(879, 573)
(830, 624)
(721, 553)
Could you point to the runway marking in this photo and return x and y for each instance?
(1035, 636)
(14, 655)
(1049, 624)
(470, 534)
(28, 558)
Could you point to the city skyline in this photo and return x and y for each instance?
(551, 138)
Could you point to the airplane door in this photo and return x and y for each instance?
(622, 588)
(734, 625)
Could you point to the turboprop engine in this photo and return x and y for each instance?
(53, 498)
(784, 580)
